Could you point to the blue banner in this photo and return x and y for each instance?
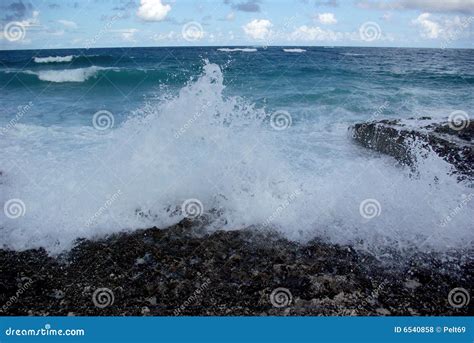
(237, 329)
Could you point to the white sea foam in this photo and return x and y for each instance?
(67, 75)
(53, 59)
(237, 49)
(306, 181)
(294, 50)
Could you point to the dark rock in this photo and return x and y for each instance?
(396, 138)
(182, 271)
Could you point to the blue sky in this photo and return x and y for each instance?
(116, 23)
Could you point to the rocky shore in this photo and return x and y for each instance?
(183, 270)
(455, 144)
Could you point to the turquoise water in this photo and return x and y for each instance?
(312, 83)
(105, 140)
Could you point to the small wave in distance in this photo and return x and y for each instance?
(294, 50)
(54, 59)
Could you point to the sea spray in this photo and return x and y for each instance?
(200, 143)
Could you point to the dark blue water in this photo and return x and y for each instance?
(319, 80)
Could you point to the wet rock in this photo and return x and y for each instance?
(396, 138)
(188, 272)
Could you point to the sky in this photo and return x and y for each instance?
(50, 24)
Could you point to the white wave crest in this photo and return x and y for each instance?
(294, 50)
(66, 75)
(237, 49)
(53, 59)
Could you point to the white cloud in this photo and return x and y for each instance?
(68, 23)
(230, 16)
(164, 36)
(465, 6)
(28, 25)
(445, 28)
(327, 18)
(152, 10)
(429, 28)
(387, 16)
(258, 28)
(33, 21)
(315, 33)
(127, 35)
(57, 33)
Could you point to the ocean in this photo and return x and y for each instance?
(100, 141)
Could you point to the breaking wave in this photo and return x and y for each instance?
(53, 59)
(294, 50)
(81, 182)
(237, 49)
(66, 75)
